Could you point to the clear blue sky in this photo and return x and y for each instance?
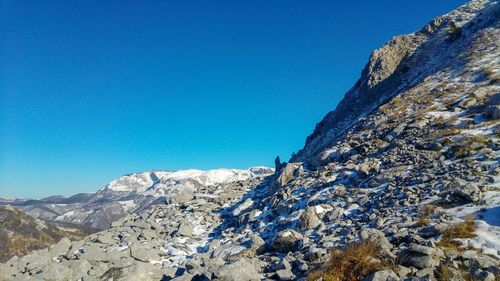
(91, 90)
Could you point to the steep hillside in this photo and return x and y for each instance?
(400, 182)
(440, 48)
(21, 233)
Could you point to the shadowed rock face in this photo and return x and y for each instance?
(21, 233)
(403, 62)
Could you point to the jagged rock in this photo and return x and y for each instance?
(79, 268)
(278, 166)
(6, 272)
(368, 166)
(290, 171)
(142, 271)
(427, 273)
(61, 247)
(287, 240)
(243, 206)
(431, 231)
(184, 277)
(333, 214)
(403, 271)
(309, 218)
(468, 102)
(480, 261)
(257, 245)
(374, 169)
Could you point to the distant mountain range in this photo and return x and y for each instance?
(127, 194)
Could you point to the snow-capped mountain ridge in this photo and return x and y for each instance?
(157, 181)
(132, 193)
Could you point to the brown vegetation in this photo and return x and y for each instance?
(21, 234)
(353, 263)
(462, 230)
(425, 213)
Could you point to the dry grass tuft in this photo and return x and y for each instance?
(444, 273)
(353, 263)
(429, 209)
(479, 139)
(424, 220)
(425, 212)
(469, 145)
(440, 121)
(465, 229)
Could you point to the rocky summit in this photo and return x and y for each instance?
(400, 182)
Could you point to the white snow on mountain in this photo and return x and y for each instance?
(156, 182)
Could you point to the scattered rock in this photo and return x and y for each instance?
(287, 241)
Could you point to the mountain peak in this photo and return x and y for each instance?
(154, 181)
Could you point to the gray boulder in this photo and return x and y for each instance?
(420, 256)
(61, 247)
(290, 171)
(377, 236)
(309, 218)
(185, 228)
(493, 112)
(242, 207)
(181, 197)
(285, 274)
(238, 271)
(142, 253)
(287, 241)
(459, 193)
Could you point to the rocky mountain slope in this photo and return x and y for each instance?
(21, 233)
(128, 194)
(400, 182)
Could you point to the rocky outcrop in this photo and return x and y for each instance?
(403, 62)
